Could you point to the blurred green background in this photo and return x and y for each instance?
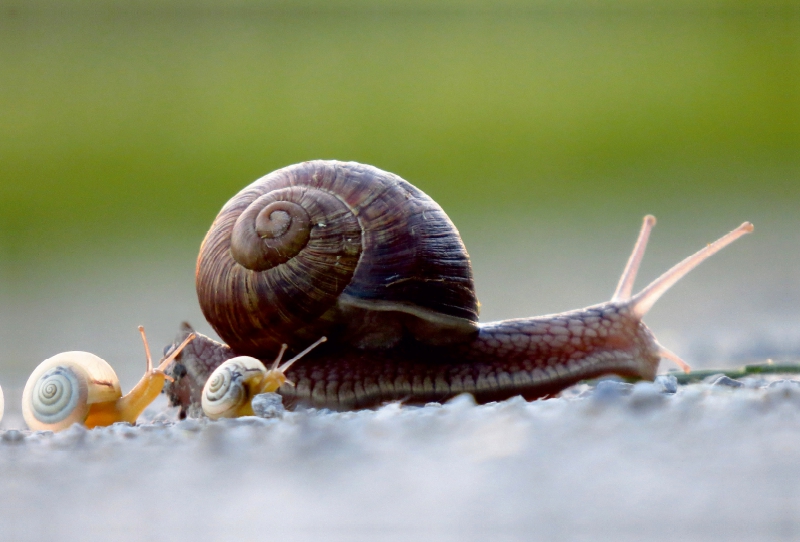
(546, 130)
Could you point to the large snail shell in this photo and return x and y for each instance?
(227, 392)
(61, 389)
(311, 245)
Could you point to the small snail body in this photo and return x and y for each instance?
(360, 255)
(79, 387)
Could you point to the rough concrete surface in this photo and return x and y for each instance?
(611, 462)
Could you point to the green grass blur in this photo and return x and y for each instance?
(128, 125)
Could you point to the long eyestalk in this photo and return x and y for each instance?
(642, 302)
(130, 406)
(625, 286)
(275, 377)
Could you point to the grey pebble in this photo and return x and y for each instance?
(12, 436)
(268, 405)
(611, 389)
(668, 383)
(722, 380)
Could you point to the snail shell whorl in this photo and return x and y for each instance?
(269, 232)
(61, 390)
(59, 394)
(309, 239)
(227, 392)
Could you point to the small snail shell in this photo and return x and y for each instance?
(230, 389)
(63, 388)
(79, 387)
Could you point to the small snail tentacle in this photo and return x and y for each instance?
(276, 375)
(129, 407)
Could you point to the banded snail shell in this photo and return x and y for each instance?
(328, 245)
(61, 389)
(230, 387)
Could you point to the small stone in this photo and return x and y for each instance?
(268, 405)
(12, 436)
(722, 380)
(668, 383)
(611, 389)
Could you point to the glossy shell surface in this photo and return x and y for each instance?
(309, 246)
(61, 389)
(230, 387)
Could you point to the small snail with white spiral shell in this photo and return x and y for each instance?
(230, 389)
(79, 387)
(363, 257)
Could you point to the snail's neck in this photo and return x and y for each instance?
(127, 408)
(606, 338)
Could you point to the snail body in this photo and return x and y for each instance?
(79, 387)
(360, 255)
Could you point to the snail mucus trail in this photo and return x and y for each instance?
(427, 346)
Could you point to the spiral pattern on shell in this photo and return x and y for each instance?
(299, 247)
(228, 390)
(60, 396)
(73, 380)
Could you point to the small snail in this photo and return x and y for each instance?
(231, 387)
(79, 387)
(363, 257)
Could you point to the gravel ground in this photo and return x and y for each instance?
(615, 461)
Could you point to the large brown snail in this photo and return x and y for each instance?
(79, 387)
(363, 257)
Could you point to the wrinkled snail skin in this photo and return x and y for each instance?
(399, 306)
(528, 357)
(79, 387)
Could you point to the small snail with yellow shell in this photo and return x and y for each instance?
(363, 257)
(79, 387)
